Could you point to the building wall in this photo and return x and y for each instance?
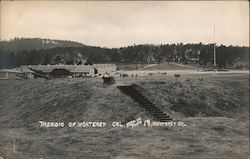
(29, 75)
(3, 75)
(105, 68)
(12, 75)
(89, 73)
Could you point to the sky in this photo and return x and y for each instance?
(123, 23)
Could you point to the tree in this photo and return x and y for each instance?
(88, 62)
(58, 59)
(60, 72)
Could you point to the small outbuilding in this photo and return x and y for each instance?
(10, 74)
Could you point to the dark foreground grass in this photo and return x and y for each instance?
(221, 136)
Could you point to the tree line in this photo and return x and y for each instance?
(200, 54)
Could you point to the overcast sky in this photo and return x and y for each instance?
(115, 24)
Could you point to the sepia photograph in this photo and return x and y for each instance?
(124, 79)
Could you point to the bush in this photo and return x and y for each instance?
(60, 72)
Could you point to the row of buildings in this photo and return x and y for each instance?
(29, 71)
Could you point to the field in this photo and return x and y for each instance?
(130, 66)
(169, 66)
(152, 67)
(214, 107)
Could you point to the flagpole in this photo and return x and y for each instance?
(214, 49)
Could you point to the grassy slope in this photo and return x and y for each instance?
(23, 103)
(167, 66)
(218, 96)
(27, 102)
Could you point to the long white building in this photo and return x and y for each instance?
(76, 70)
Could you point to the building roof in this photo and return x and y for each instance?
(97, 66)
(79, 68)
(24, 70)
(71, 68)
(10, 70)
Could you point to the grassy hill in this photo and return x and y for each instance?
(62, 100)
(20, 44)
(214, 129)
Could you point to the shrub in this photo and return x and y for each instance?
(60, 72)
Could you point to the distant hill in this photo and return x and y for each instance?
(20, 44)
(20, 51)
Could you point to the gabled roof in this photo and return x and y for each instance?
(71, 68)
(24, 70)
(10, 70)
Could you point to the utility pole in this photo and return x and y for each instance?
(214, 49)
